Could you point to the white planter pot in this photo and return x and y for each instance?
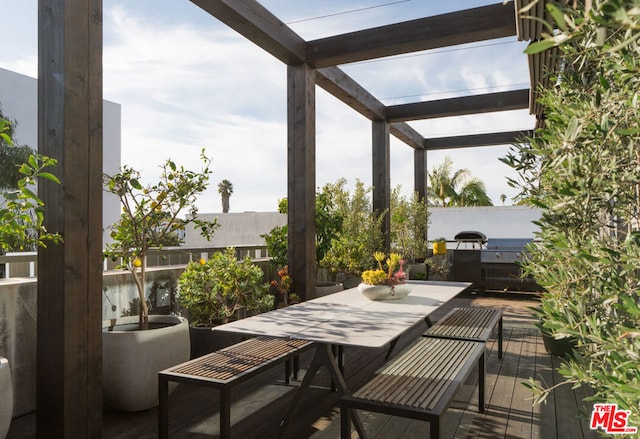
(6, 397)
(384, 292)
(132, 359)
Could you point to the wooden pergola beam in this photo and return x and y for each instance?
(474, 140)
(467, 26)
(345, 88)
(484, 103)
(405, 133)
(253, 21)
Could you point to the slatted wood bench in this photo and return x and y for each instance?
(225, 369)
(469, 323)
(419, 383)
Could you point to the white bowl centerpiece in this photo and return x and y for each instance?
(381, 284)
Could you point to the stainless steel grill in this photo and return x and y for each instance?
(504, 250)
(500, 262)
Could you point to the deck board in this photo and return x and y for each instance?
(259, 404)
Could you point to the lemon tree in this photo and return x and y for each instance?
(151, 213)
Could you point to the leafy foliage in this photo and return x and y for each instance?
(328, 223)
(409, 219)
(21, 210)
(222, 289)
(150, 215)
(583, 169)
(361, 233)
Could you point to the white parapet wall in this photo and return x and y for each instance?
(236, 229)
(493, 221)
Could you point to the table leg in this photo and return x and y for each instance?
(323, 356)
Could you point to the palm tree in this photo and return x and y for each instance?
(459, 188)
(503, 198)
(225, 188)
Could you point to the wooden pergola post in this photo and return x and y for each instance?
(420, 173)
(301, 181)
(381, 173)
(69, 334)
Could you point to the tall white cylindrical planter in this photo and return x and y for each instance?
(131, 359)
(6, 397)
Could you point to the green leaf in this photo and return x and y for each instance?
(557, 15)
(135, 183)
(49, 176)
(33, 196)
(539, 46)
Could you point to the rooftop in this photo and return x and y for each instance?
(259, 403)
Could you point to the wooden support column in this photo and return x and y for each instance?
(420, 173)
(301, 158)
(382, 177)
(69, 316)
(420, 179)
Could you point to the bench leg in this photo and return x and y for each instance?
(225, 413)
(481, 383)
(392, 345)
(287, 371)
(500, 338)
(345, 423)
(434, 428)
(163, 407)
(296, 366)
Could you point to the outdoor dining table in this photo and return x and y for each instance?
(346, 318)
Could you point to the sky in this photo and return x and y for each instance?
(186, 81)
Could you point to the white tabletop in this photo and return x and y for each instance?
(349, 318)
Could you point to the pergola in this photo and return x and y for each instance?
(69, 369)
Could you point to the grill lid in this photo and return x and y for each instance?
(471, 236)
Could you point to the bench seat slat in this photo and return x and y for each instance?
(419, 383)
(225, 368)
(469, 323)
(235, 361)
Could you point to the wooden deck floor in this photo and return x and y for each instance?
(260, 403)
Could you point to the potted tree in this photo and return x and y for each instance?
(409, 220)
(360, 236)
(136, 348)
(219, 290)
(21, 227)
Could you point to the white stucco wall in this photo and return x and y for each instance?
(493, 221)
(19, 101)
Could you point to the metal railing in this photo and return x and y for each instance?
(13, 265)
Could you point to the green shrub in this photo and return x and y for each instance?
(582, 168)
(222, 289)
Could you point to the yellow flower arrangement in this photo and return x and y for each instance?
(393, 275)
